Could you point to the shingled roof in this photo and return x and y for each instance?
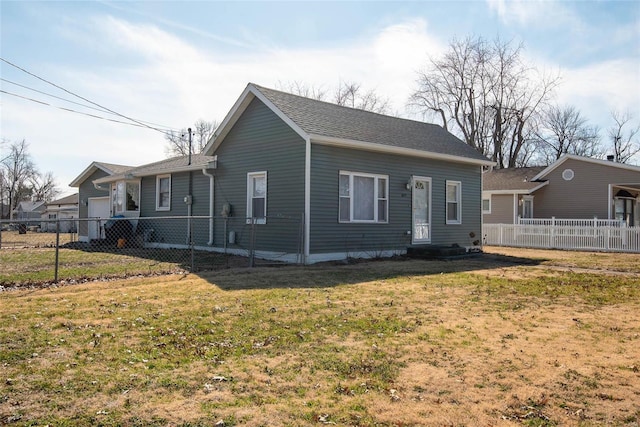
(321, 121)
(512, 179)
(109, 168)
(171, 165)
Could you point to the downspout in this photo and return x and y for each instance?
(610, 202)
(307, 198)
(211, 203)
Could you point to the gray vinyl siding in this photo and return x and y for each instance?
(260, 141)
(585, 196)
(328, 235)
(501, 210)
(87, 190)
(175, 231)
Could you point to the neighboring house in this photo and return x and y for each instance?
(94, 201)
(27, 211)
(4, 211)
(573, 187)
(362, 184)
(65, 210)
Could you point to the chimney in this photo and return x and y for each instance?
(610, 157)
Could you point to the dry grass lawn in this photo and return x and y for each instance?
(515, 337)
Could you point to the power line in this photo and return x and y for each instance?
(76, 103)
(81, 97)
(80, 112)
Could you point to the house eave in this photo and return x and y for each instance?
(154, 172)
(546, 171)
(525, 191)
(87, 172)
(380, 148)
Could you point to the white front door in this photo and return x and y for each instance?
(98, 208)
(421, 206)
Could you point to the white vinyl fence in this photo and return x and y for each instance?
(571, 234)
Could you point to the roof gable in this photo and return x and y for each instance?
(29, 206)
(546, 171)
(108, 168)
(324, 122)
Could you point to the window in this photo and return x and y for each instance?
(163, 192)
(486, 205)
(454, 202)
(126, 196)
(363, 198)
(568, 174)
(527, 206)
(257, 197)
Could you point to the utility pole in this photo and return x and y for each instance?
(189, 130)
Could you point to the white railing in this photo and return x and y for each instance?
(553, 221)
(608, 238)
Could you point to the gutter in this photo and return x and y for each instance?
(97, 187)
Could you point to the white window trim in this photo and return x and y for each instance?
(158, 207)
(114, 192)
(488, 211)
(458, 202)
(251, 175)
(375, 196)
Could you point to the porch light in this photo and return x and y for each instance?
(409, 184)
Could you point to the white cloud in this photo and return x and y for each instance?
(539, 13)
(159, 77)
(166, 80)
(599, 88)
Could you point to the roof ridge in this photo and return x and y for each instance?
(333, 104)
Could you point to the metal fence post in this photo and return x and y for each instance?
(191, 245)
(55, 279)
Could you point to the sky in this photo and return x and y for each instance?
(168, 64)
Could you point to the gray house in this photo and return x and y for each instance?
(573, 187)
(94, 200)
(28, 210)
(361, 184)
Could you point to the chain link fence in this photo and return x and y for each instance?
(84, 249)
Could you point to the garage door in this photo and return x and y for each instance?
(98, 208)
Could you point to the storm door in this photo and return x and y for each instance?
(421, 206)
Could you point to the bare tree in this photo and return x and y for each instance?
(43, 187)
(347, 94)
(303, 89)
(178, 142)
(486, 94)
(17, 170)
(563, 130)
(351, 94)
(624, 141)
